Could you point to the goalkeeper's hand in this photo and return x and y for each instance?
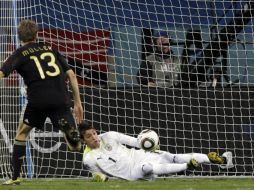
(99, 177)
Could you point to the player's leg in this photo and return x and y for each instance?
(168, 168)
(32, 118)
(64, 120)
(166, 157)
(185, 158)
(71, 135)
(19, 151)
(225, 160)
(158, 164)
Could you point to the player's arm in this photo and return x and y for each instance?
(9, 65)
(78, 109)
(97, 175)
(90, 164)
(124, 139)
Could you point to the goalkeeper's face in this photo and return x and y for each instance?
(91, 138)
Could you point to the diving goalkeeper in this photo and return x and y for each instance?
(106, 155)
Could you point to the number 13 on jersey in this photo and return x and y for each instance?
(50, 63)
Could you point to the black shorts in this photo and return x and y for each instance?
(35, 117)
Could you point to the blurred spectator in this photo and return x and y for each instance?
(162, 68)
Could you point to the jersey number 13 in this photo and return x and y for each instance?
(50, 63)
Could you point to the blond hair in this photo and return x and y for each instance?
(27, 30)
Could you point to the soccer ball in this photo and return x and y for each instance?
(148, 140)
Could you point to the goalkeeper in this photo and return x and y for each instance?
(44, 72)
(106, 155)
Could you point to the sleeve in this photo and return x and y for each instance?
(123, 139)
(145, 73)
(9, 65)
(62, 61)
(91, 166)
(90, 163)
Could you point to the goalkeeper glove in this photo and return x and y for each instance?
(99, 177)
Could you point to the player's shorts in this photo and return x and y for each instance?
(35, 117)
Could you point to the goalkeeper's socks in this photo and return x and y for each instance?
(161, 169)
(19, 151)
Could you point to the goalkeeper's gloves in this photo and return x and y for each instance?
(99, 177)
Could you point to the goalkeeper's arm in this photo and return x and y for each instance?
(123, 139)
(97, 176)
(91, 165)
(127, 140)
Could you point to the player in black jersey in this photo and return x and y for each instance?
(44, 72)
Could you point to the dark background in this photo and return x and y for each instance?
(187, 120)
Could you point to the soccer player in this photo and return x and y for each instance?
(44, 72)
(106, 155)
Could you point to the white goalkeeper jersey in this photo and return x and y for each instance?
(113, 158)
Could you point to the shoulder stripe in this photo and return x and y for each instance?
(87, 149)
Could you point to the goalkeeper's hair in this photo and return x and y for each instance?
(27, 31)
(83, 127)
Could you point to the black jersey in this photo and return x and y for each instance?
(43, 70)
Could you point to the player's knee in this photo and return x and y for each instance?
(147, 168)
(23, 131)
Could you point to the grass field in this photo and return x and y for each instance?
(159, 184)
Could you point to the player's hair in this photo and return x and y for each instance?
(83, 127)
(27, 30)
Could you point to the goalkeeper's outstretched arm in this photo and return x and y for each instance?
(122, 138)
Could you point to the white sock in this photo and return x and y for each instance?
(185, 158)
(160, 169)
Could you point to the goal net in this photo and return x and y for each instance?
(201, 101)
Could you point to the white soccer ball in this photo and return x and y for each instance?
(148, 140)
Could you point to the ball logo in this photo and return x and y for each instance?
(147, 143)
(148, 140)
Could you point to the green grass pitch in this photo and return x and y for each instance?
(159, 184)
